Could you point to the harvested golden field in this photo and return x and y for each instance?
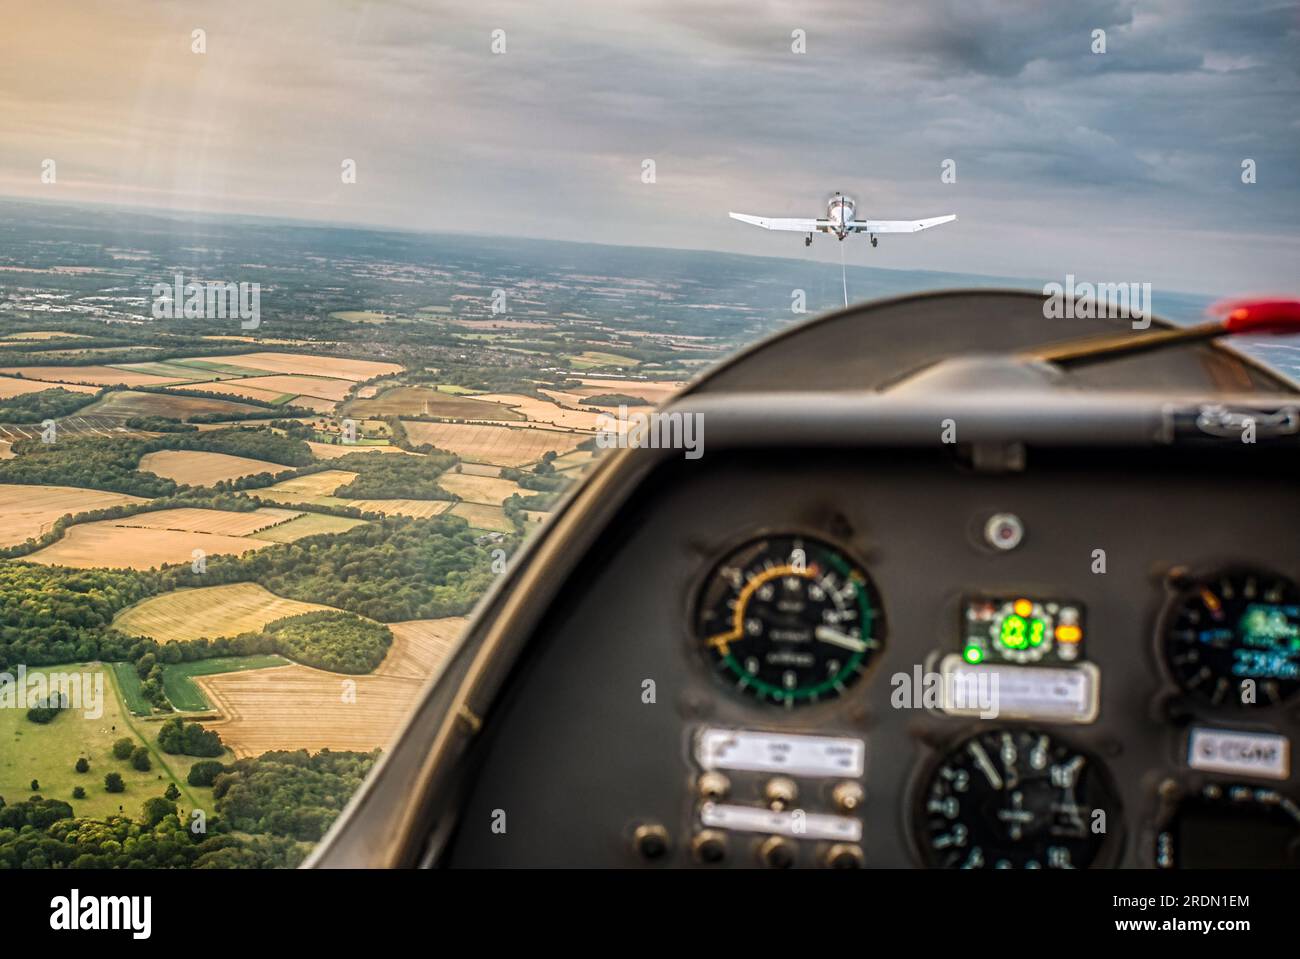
(330, 451)
(575, 461)
(6, 450)
(492, 490)
(174, 405)
(312, 403)
(545, 412)
(420, 646)
(13, 386)
(307, 524)
(222, 522)
(416, 508)
(236, 389)
(105, 545)
(297, 707)
(91, 375)
(656, 391)
(321, 387)
(343, 369)
(426, 401)
(198, 468)
(497, 445)
(29, 511)
(481, 516)
(304, 489)
(210, 611)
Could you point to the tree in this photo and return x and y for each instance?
(123, 748)
(78, 793)
(113, 783)
(155, 810)
(204, 773)
(140, 759)
(82, 765)
(35, 785)
(172, 792)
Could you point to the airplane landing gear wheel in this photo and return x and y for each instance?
(873, 241)
(807, 241)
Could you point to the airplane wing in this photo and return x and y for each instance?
(899, 226)
(779, 223)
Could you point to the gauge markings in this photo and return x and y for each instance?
(789, 619)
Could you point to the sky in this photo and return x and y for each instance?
(1117, 166)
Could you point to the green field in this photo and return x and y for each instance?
(185, 695)
(49, 752)
(128, 682)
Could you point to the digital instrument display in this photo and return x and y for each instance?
(1231, 827)
(789, 620)
(1021, 629)
(1234, 638)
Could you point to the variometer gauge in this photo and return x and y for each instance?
(1234, 638)
(789, 620)
(1015, 799)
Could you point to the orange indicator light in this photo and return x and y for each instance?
(1068, 634)
(1023, 607)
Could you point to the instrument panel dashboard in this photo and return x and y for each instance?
(887, 658)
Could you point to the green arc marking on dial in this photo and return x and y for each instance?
(868, 619)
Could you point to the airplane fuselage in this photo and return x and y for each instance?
(839, 210)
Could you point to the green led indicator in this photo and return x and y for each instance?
(973, 654)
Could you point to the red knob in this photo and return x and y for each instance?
(1276, 316)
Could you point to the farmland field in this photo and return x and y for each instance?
(183, 694)
(177, 406)
(312, 403)
(308, 489)
(107, 545)
(425, 401)
(235, 389)
(211, 611)
(91, 375)
(492, 490)
(307, 524)
(198, 468)
(29, 511)
(481, 516)
(222, 522)
(329, 451)
(543, 411)
(656, 391)
(496, 445)
(13, 386)
(297, 707)
(343, 369)
(321, 387)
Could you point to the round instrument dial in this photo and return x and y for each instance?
(1234, 638)
(789, 620)
(1015, 799)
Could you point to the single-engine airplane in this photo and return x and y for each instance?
(840, 222)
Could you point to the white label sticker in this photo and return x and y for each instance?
(1062, 694)
(795, 822)
(780, 752)
(1265, 755)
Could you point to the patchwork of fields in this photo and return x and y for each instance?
(266, 702)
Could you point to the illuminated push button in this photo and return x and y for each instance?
(777, 852)
(844, 855)
(651, 840)
(710, 846)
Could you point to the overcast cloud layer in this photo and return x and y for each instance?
(1119, 166)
